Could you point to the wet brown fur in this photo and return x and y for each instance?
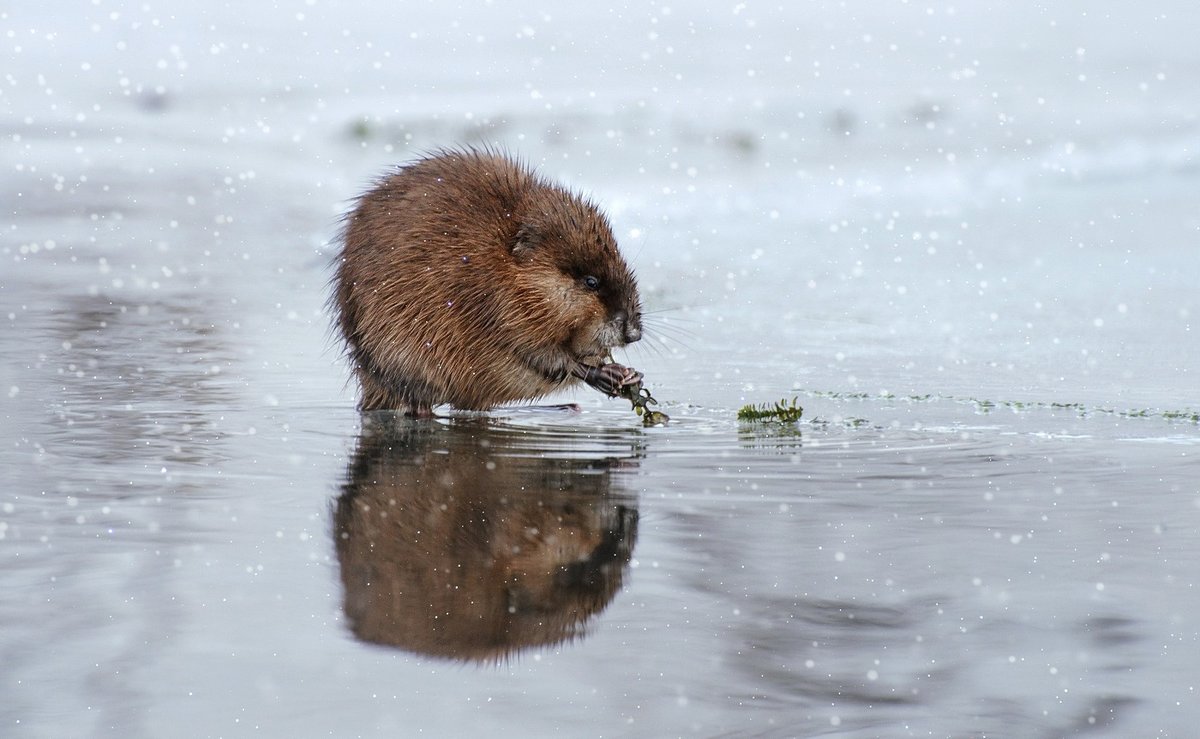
(462, 281)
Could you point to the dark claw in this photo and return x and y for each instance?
(608, 378)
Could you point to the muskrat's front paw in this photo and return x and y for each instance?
(610, 378)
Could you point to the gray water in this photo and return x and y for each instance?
(964, 239)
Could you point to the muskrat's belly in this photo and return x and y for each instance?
(497, 381)
(444, 356)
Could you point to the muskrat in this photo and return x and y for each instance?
(465, 278)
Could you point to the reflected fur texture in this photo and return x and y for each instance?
(452, 545)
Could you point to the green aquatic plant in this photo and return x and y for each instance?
(1192, 416)
(849, 422)
(984, 405)
(641, 399)
(783, 411)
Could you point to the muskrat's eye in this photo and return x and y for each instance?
(591, 283)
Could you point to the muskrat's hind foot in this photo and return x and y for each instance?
(608, 378)
(378, 397)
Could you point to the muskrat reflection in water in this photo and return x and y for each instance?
(453, 542)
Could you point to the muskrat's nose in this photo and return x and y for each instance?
(632, 328)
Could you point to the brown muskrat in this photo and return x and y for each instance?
(465, 278)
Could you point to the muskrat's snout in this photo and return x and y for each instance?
(631, 326)
(620, 328)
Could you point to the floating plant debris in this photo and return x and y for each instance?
(783, 411)
(641, 399)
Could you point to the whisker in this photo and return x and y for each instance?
(658, 343)
(648, 346)
(670, 330)
(664, 311)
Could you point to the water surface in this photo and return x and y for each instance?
(964, 240)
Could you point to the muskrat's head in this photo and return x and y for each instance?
(578, 281)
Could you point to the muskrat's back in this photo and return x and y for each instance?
(466, 279)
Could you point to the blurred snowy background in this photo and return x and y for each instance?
(914, 197)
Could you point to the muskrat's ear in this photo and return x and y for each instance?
(525, 243)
